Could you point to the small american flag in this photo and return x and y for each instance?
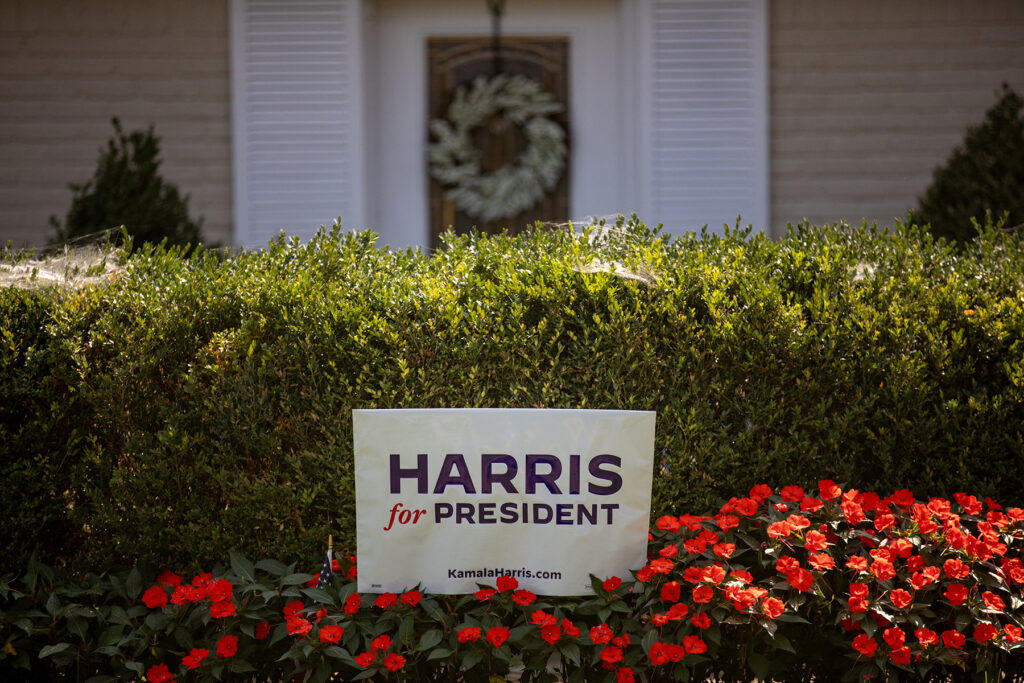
(327, 571)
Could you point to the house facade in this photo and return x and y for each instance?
(285, 114)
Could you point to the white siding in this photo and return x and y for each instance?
(297, 78)
(703, 122)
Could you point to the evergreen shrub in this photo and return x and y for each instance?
(982, 177)
(127, 190)
(189, 407)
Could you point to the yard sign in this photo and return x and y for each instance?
(451, 498)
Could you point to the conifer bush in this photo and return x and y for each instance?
(982, 177)
(128, 190)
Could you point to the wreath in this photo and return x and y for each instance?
(455, 160)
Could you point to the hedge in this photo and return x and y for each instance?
(188, 406)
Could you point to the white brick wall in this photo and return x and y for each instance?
(868, 97)
(67, 68)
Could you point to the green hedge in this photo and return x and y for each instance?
(191, 406)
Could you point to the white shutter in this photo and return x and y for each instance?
(704, 115)
(297, 121)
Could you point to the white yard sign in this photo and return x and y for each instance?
(449, 498)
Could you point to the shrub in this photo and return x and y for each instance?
(127, 190)
(983, 177)
(788, 585)
(203, 405)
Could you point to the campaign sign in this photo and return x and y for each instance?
(452, 498)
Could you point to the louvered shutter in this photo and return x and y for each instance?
(704, 119)
(297, 122)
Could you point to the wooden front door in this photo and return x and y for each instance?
(457, 62)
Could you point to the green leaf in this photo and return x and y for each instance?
(363, 675)
(48, 650)
(439, 653)
(272, 567)
(760, 666)
(570, 651)
(430, 639)
(782, 642)
(406, 634)
(242, 567)
(295, 579)
(471, 659)
(320, 595)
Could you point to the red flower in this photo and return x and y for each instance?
(786, 564)
(956, 594)
(485, 594)
(760, 492)
(612, 583)
(159, 673)
(900, 655)
(883, 569)
(815, 541)
(857, 563)
(661, 565)
(745, 506)
(726, 522)
(262, 630)
(670, 591)
(227, 646)
(624, 675)
(829, 490)
(469, 634)
(955, 569)
(352, 603)
(811, 505)
(541, 618)
(857, 605)
(551, 634)
(385, 600)
(297, 626)
(506, 583)
(195, 658)
(660, 653)
(155, 596)
(411, 597)
(694, 645)
(394, 662)
(900, 598)
(800, 579)
(772, 607)
(894, 637)
(724, 549)
(714, 574)
(791, 494)
(953, 640)
(599, 635)
(742, 576)
(331, 633)
(865, 645)
(222, 609)
(821, 561)
(668, 523)
(292, 608)
(366, 659)
(993, 601)
(701, 620)
(1013, 633)
(497, 635)
(523, 597)
(703, 594)
(985, 632)
(611, 655)
(169, 578)
(570, 629)
(926, 637)
(220, 590)
(381, 642)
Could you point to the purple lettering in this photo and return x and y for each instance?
(614, 479)
(549, 478)
(490, 477)
(454, 461)
(419, 473)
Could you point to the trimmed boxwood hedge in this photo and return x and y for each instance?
(191, 406)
